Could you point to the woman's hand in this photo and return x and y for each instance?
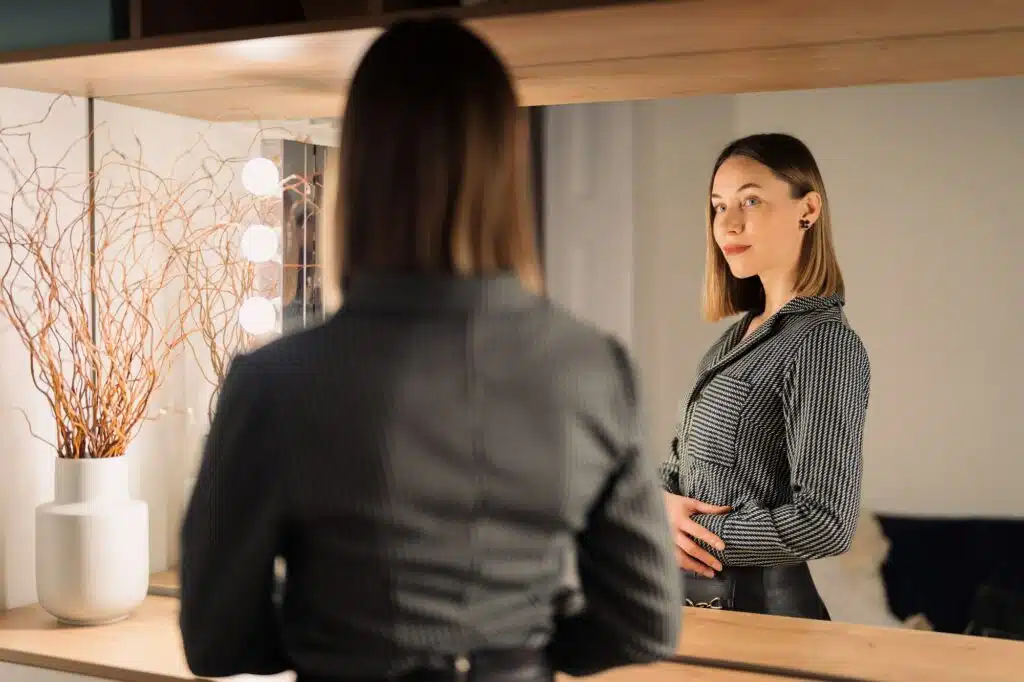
(688, 553)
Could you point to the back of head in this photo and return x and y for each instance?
(434, 160)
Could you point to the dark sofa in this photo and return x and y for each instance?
(965, 575)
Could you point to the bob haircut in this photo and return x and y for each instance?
(434, 161)
(818, 268)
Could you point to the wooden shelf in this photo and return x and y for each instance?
(614, 52)
(147, 648)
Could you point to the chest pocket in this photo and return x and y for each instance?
(716, 418)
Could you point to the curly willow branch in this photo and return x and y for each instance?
(163, 274)
(219, 280)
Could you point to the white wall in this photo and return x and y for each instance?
(589, 166)
(925, 184)
(165, 452)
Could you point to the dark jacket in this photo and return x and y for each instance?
(774, 427)
(422, 461)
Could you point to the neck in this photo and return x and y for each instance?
(778, 291)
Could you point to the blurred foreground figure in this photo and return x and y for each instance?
(449, 462)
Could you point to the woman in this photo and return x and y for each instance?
(303, 298)
(437, 461)
(765, 470)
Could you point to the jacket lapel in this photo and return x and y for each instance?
(734, 346)
(737, 346)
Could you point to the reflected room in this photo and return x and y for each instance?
(178, 210)
(921, 180)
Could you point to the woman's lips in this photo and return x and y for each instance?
(734, 249)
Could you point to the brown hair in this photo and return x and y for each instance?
(818, 268)
(434, 163)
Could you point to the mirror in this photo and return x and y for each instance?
(267, 249)
(922, 183)
(302, 291)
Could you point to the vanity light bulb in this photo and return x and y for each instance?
(258, 316)
(261, 177)
(259, 243)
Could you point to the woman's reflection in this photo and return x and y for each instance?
(303, 306)
(765, 470)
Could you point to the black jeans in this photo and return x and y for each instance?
(502, 665)
(776, 591)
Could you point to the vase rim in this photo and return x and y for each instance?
(90, 460)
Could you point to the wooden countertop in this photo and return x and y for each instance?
(147, 648)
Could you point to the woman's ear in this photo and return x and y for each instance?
(811, 209)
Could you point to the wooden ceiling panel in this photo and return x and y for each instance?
(318, 58)
(872, 62)
(864, 63)
(673, 27)
(253, 103)
(641, 51)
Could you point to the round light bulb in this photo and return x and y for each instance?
(259, 243)
(258, 316)
(261, 177)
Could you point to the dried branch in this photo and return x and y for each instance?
(219, 278)
(104, 312)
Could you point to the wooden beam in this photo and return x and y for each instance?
(875, 62)
(797, 67)
(616, 52)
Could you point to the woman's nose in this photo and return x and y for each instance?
(732, 221)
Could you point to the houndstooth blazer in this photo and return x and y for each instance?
(774, 428)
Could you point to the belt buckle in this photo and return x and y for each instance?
(462, 667)
(715, 604)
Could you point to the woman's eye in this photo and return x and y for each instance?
(751, 201)
(718, 208)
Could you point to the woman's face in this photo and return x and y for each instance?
(756, 220)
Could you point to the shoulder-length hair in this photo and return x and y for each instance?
(433, 171)
(818, 272)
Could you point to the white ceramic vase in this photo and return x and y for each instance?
(92, 544)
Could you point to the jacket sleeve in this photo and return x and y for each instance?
(231, 536)
(824, 399)
(626, 562)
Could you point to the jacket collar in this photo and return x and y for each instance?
(797, 306)
(735, 345)
(806, 304)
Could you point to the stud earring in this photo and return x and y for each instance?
(805, 225)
